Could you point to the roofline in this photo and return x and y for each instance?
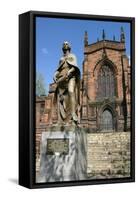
(104, 41)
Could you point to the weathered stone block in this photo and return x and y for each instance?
(108, 155)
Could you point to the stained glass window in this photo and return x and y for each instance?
(106, 82)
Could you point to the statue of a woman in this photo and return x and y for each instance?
(67, 78)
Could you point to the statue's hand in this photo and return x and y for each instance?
(55, 76)
(68, 74)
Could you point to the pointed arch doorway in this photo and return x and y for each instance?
(107, 122)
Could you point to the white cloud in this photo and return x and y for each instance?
(44, 50)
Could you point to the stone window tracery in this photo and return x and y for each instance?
(106, 82)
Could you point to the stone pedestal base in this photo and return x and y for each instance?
(63, 155)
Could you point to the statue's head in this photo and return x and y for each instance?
(66, 46)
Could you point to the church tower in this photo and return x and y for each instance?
(105, 98)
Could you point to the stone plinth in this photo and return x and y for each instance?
(62, 155)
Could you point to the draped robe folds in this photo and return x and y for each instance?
(66, 87)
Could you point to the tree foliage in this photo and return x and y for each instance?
(40, 85)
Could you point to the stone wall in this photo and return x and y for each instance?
(108, 155)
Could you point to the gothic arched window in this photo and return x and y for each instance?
(107, 120)
(106, 82)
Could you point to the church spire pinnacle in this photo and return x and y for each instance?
(85, 38)
(113, 37)
(103, 35)
(122, 35)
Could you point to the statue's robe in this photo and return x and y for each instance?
(63, 83)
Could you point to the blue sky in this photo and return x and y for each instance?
(52, 32)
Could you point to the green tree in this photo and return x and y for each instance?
(40, 85)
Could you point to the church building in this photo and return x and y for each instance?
(105, 108)
(105, 89)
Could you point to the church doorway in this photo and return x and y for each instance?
(107, 121)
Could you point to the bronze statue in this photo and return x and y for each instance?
(67, 78)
